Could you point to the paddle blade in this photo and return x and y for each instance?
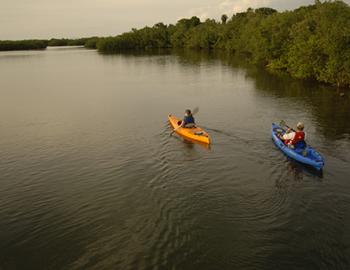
(195, 110)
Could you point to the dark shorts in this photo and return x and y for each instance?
(190, 125)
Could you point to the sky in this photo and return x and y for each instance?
(23, 19)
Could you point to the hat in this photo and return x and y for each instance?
(300, 125)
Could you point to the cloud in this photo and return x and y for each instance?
(228, 7)
(215, 8)
(43, 18)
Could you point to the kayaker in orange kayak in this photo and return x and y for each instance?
(294, 138)
(188, 121)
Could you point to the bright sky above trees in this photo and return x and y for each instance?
(21, 19)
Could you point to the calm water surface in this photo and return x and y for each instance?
(91, 179)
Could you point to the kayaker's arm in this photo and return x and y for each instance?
(180, 126)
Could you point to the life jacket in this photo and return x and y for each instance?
(188, 119)
(298, 141)
(298, 137)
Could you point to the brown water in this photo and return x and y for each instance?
(91, 179)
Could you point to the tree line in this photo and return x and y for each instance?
(13, 45)
(40, 44)
(89, 42)
(311, 42)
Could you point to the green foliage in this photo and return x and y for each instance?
(224, 18)
(71, 42)
(34, 44)
(58, 42)
(179, 32)
(319, 45)
(203, 36)
(265, 11)
(91, 43)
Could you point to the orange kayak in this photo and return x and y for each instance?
(193, 134)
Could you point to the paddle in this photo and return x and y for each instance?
(283, 123)
(194, 111)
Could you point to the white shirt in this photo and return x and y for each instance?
(289, 136)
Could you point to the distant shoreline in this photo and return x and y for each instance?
(41, 44)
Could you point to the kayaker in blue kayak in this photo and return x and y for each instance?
(188, 121)
(294, 139)
(306, 155)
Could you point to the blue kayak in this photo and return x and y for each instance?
(307, 155)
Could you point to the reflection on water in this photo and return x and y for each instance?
(90, 177)
(326, 103)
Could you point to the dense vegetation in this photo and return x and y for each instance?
(11, 45)
(71, 42)
(91, 43)
(311, 42)
(36, 44)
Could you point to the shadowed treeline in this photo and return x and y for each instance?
(89, 42)
(39, 44)
(14, 45)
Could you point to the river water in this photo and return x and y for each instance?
(90, 177)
